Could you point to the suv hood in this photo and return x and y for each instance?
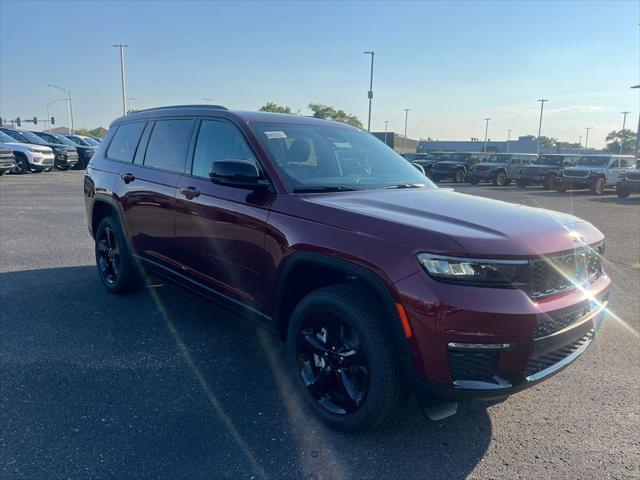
(426, 219)
(29, 146)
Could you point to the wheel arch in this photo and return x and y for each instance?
(101, 207)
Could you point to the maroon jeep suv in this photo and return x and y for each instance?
(381, 283)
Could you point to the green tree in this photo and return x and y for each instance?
(547, 141)
(625, 137)
(330, 113)
(95, 132)
(275, 108)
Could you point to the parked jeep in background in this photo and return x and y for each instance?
(500, 168)
(7, 159)
(29, 157)
(595, 172)
(85, 152)
(64, 157)
(430, 159)
(456, 167)
(629, 183)
(545, 170)
(81, 159)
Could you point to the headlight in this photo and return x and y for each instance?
(33, 150)
(475, 271)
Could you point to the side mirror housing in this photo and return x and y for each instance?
(237, 173)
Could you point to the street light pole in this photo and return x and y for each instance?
(406, 120)
(637, 132)
(586, 139)
(624, 124)
(207, 100)
(69, 106)
(508, 139)
(386, 123)
(122, 46)
(48, 110)
(486, 133)
(542, 100)
(370, 92)
(580, 143)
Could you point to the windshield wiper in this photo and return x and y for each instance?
(323, 189)
(406, 185)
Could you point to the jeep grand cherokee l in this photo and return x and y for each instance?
(380, 283)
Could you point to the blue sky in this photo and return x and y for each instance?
(452, 63)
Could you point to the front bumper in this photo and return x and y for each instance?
(576, 182)
(543, 337)
(66, 161)
(532, 177)
(42, 160)
(7, 163)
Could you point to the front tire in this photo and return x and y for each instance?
(22, 165)
(459, 176)
(622, 192)
(598, 186)
(474, 181)
(117, 269)
(500, 180)
(521, 184)
(549, 182)
(343, 359)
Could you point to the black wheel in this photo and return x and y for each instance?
(597, 188)
(343, 359)
(22, 165)
(459, 176)
(622, 192)
(474, 181)
(561, 188)
(521, 184)
(1, 172)
(500, 179)
(118, 270)
(549, 182)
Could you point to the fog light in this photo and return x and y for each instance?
(480, 346)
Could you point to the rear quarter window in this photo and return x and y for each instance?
(125, 140)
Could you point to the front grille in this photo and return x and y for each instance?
(531, 170)
(563, 272)
(480, 366)
(547, 360)
(556, 324)
(633, 176)
(576, 173)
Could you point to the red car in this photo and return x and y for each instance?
(380, 283)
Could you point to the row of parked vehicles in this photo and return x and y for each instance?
(561, 172)
(22, 151)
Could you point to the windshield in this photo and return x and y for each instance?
(4, 138)
(498, 159)
(594, 161)
(15, 136)
(436, 156)
(64, 140)
(47, 137)
(549, 160)
(33, 138)
(334, 158)
(91, 141)
(78, 141)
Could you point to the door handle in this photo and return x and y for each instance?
(190, 192)
(128, 177)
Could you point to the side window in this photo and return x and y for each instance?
(625, 162)
(142, 145)
(614, 163)
(125, 140)
(168, 145)
(218, 140)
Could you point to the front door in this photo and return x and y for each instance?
(221, 229)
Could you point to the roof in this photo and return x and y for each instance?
(220, 111)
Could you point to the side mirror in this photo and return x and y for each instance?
(237, 173)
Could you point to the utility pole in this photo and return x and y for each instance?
(370, 92)
(542, 100)
(586, 139)
(207, 101)
(637, 132)
(580, 143)
(386, 123)
(508, 139)
(69, 106)
(122, 46)
(406, 120)
(486, 133)
(624, 124)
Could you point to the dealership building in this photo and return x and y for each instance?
(526, 144)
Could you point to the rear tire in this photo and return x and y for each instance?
(117, 269)
(368, 389)
(597, 188)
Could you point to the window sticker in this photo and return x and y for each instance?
(272, 135)
(342, 144)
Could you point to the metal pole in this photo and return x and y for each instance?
(370, 92)
(386, 122)
(586, 139)
(48, 119)
(542, 100)
(508, 139)
(624, 124)
(486, 132)
(406, 120)
(580, 142)
(637, 131)
(122, 46)
(207, 100)
(71, 113)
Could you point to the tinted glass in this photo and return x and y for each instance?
(124, 143)
(218, 141)
(594, 161)
(48, 138)
(168, 145)
(16, 136)
(63, 139)
(4, 138)
(334, 157)
(91, 141)
(33, 138)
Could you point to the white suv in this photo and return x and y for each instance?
(36, 158)
(595, 172)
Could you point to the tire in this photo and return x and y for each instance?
(459, 176)
(1, 172)
(622, 192)
(373, 391)
(63, 168)
(597, 188)
(521, 184)
(22, 165)
(473, 181)
(118, 270)
(549, 182)
(500, 179)
(561, 188)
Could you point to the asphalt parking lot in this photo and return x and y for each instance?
(163, 384)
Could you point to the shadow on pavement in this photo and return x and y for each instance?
(164, 384)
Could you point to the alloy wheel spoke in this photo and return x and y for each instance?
(353, 393)
(311, 345)
(318, 385)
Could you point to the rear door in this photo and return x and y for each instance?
(613, 172)
(148, 188)
(221, 229)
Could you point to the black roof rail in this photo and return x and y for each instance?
(153, 109)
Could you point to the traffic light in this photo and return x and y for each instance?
(18, 121)
(35, 120)
(53, 120)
